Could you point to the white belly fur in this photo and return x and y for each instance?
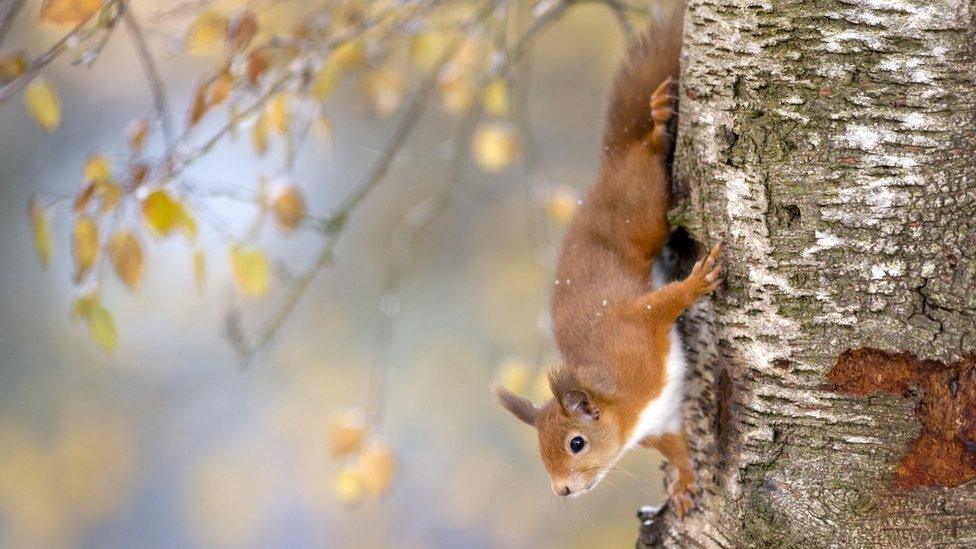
(663, 413)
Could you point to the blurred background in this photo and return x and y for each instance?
(172, 439)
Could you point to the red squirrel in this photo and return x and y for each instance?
(620, 382)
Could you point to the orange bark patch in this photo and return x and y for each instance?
(944, 454)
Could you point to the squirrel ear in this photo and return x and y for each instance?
(520, 407)
(577, 401)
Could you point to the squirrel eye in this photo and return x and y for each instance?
(577, 444)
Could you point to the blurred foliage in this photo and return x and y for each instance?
(285, 77)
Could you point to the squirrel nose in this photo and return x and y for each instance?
(564, 491)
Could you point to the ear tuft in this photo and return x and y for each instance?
(520, 407)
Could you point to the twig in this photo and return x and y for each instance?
(156, 85)
(376, 174)
(43, 60)
(7, 19)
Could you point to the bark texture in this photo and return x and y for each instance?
(831, 145)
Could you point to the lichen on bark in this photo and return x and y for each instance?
(832, 147)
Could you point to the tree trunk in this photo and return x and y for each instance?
(831, 146)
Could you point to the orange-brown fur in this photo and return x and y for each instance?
(612, 328)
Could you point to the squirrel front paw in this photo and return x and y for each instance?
(705, 275)
(682, 495)
(663, 101)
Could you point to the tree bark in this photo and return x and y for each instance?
(831, 145)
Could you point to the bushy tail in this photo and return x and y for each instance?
(650, 59)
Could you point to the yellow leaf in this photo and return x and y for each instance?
(426, 49)
(513, 374)
(43, 104)
(199, 268)
(109, 193)
(495, 146)
(350, 54)
(219, 88)
(288, 206)
(251, 271)
(98, 320)
(12, 65)
(84, 245)
(348, 486)
(97, 168)
(561, 204)
(325, 81)
(346, 433)
(259, 135)
(206, 29)
(377, 464)
(68, 11)
(277, 113)
(161, 212)
(496, 98)
(41, 228)
(136, 132)
(126, 255)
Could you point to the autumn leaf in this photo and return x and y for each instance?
(348, 55)
(109, 193)
(259, 134)
(126, 255)
(495, 146)
(136, 133)
(257, 63)
(98, 320)
(219, 88)
(12, 65)
(383, 88)
(43, 104)
(162, 214)
(241, 30)
(346, 433)
(199, 105)
(40, 222)
(377, 464)
(277, 113)
(97, 168)
(426, 49)
(496, 98)
(206, 29)
(199, 268)
(251, 271)
(325, 80)
(287, 205)
(348, 486)
(561, 204)
(68, 11)
(84, 245)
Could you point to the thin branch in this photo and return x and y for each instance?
(43, 60)
(376, 174)
(7, 19)
(156, 85)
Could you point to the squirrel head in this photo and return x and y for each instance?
(579, 439)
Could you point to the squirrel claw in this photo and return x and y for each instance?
(682, 496)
